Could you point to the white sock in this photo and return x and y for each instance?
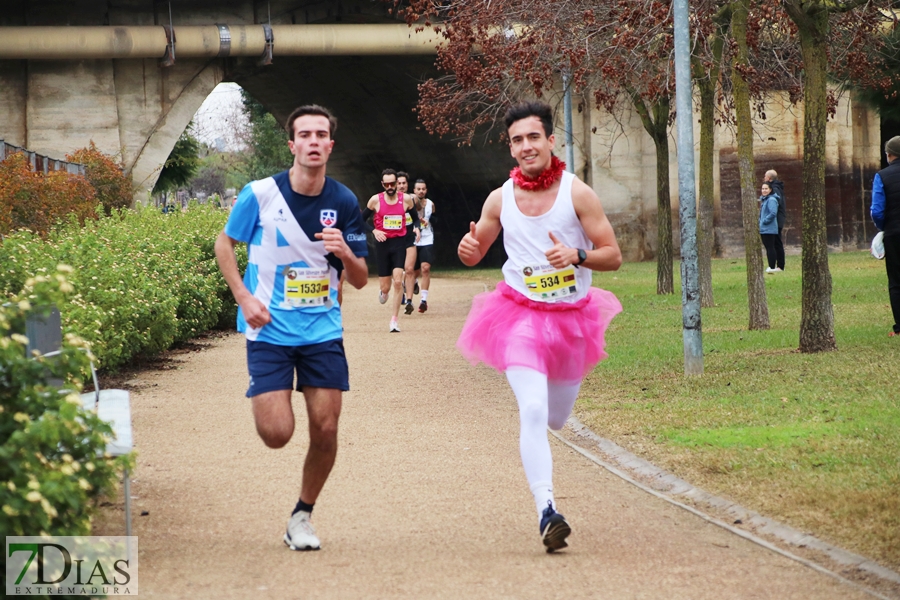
(543, 495)
(531, 390)
(424, 295)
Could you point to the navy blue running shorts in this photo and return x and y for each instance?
(272, 367)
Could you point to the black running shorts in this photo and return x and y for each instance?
(425, 254)
(389, 255)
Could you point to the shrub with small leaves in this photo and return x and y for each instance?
(144, 280)
(53, 461)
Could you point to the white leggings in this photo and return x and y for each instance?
(542, 403)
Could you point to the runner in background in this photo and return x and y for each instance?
(425, 245)
(412, 237)
(388, 211)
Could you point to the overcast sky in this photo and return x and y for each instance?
(219, 121)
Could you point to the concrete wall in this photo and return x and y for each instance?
(622, 170)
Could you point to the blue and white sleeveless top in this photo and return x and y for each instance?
(288, 269)
(526, 239)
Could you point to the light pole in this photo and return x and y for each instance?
(687, 199)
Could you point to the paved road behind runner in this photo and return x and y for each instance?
(427, 499)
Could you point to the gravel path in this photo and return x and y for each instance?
(427, 499)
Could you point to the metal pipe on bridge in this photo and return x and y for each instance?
(210, 41)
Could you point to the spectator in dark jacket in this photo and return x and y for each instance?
(778, 189)
(886, 215)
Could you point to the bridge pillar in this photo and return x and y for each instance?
(131, 109)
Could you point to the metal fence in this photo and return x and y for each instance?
(39, 162)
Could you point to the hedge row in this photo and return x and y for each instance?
(143, 280)
(53, 462)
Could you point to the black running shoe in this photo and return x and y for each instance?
(423, 306)
(416, 288)
(554, 529)
(409, 308)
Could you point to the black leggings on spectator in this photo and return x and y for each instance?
(769, 241)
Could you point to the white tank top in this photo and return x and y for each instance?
(426, 235)
(526, 239)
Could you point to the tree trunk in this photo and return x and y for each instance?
(756, 285)
(657, 125)
(705, 205)
(665, 283)
(817, 318)
(706, 84)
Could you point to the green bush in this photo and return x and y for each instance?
(144, 280)
(53, 464)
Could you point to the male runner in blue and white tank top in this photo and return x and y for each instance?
(303, 230)
(543, 325)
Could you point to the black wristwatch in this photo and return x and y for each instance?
(582, 256)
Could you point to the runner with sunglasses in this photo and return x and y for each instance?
(388, 210)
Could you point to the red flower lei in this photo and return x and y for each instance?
(543, 181)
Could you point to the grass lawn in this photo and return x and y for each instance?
(809, 439)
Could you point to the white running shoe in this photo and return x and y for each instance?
(300, 534)
(382, 297)
(770, 270)
(395, 327)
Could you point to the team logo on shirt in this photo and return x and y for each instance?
(328, 217)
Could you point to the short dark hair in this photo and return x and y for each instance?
(388, 172)
(422, 181)
(532, 108)
(311, 109)
(403, 174)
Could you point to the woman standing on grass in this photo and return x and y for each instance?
(768, 224)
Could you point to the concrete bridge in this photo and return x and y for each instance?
(130, 74)
(72, 72)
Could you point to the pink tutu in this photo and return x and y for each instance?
(562, 340)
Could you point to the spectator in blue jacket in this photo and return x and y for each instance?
(777, 186)
(886, 215)
(768, 225)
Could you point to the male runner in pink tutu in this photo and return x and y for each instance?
(543, 325)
